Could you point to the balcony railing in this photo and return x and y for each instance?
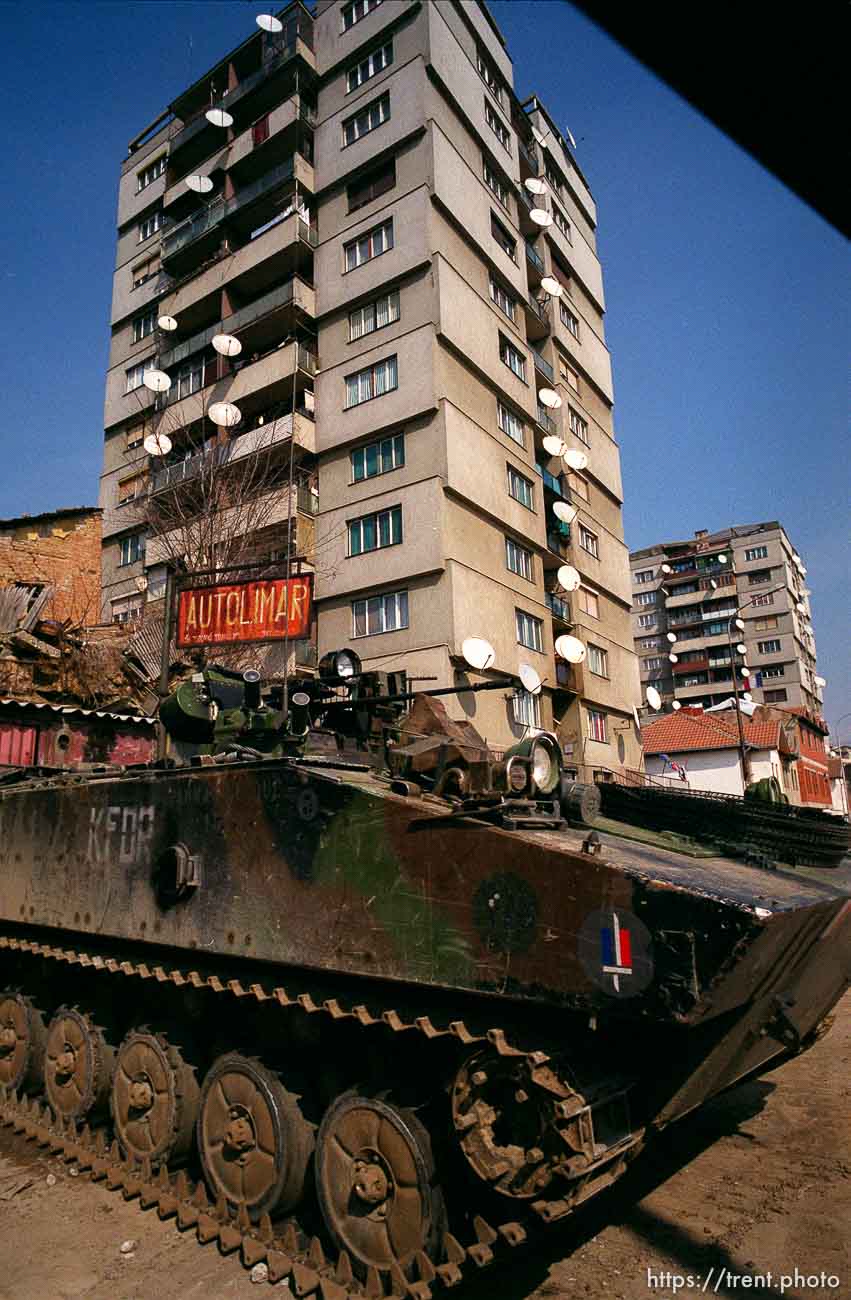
(194, 227)
(308, 502)
(244, 444)
(544, 366)
(550, 481)
(529, 157)
(546, 421)
(560, 608)
(534, 257)
(540, 312)
(269, 302)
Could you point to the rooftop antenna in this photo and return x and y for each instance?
(478, 653)
(570, 138)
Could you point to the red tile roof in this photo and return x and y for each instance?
(692, 729)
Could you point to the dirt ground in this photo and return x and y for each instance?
(758, 1183)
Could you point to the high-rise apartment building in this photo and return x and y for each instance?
(742, 586)
(402, 297)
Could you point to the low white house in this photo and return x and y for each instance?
(701, 749)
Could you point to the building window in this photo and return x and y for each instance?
(144, 325)
(589, 602)
(495, 183)
(489, 75)
(648, 642)
(376, 61)
(562, 222)
(150, 225)
(761, 575)
(366, 119)
(376, 614)
(378, 457)
(131, 488)
(374, 381)
(779, 671)
(771, 647)
(127, 609)
(149, 174)
(366, 188)
(527, 709)
(643, 575)
(519, 559)
(767, 599)
(503, 299)
(357, 10)
(598, 660)
(577, 484)
(510, 423)
(649, 665)
(512, 357)
(131, 548)
(503, 238)
(568, 376)
(374, 315)
(496, 124)
(645, 598)
(134, 376)
(190, 378)
(757, 553)
(369, 245)
(134, 437)
(146, 271)
(765, 624)
(775, 697)
(520, 488)
(597, 725)
(578, 426)
(590, 542)
(530, 631)
(568, 319)
(374, 532)
(646, 620)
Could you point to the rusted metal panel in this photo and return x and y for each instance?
(17, 744)
(259, 610)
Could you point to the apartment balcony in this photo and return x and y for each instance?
(529, 157)
(693, 666)
(537, 319)
(681, 600)
(543, 366)
(558, 607)
(282, 248)
(274, 507)
(694, 692)
(569, 677)
(266, 310)
(558, 546)
(267, 380)
(263, 438)
(697, 641)
(534, 258)
(185, 245)
(546, 421)
(550, 481)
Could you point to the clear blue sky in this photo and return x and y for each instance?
(728, 316)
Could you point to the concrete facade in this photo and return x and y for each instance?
(430, 337)
(696, 589)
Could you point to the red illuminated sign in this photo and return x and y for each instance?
(269, 609)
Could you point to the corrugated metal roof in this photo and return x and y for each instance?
(75, 709)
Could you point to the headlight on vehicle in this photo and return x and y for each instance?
(546, 768)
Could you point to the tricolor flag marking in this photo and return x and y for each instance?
(617, 951)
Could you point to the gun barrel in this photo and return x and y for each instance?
(367, 700)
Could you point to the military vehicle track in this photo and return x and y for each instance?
(313, 1263)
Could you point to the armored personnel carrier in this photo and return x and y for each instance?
(333, 985)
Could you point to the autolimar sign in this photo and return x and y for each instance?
(268, 609)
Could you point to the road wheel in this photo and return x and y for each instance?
(22, 1039)
(78, 1065)
(253, 1139)
(154, 1098)
(376, 1184)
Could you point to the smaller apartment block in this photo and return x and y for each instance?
(699, 591)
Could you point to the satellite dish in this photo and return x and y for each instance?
(553, 445)
(575, 459)
(535, 186)
(564, 512)
(531, 679)
(199, 184)
(478, 653)
(742, 648)
(167, 323)
(540, 216)
(157, 444)
(801, 607)
(218, 117)
(225, 414)
(636, 719)
(552, 286)
(570, 138)
(570, 648)
(549, 397)
(745, 671)
(569, 578)
(157, 381)
(654, 699)
(713, 584)
(747, 697)
(666, 568)
(672, 637)
(820, 681)
(722, 558)
(676, 706)
(541, 139)
(227, 345)
(675, 659)
(269, 23)
(740, 624)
